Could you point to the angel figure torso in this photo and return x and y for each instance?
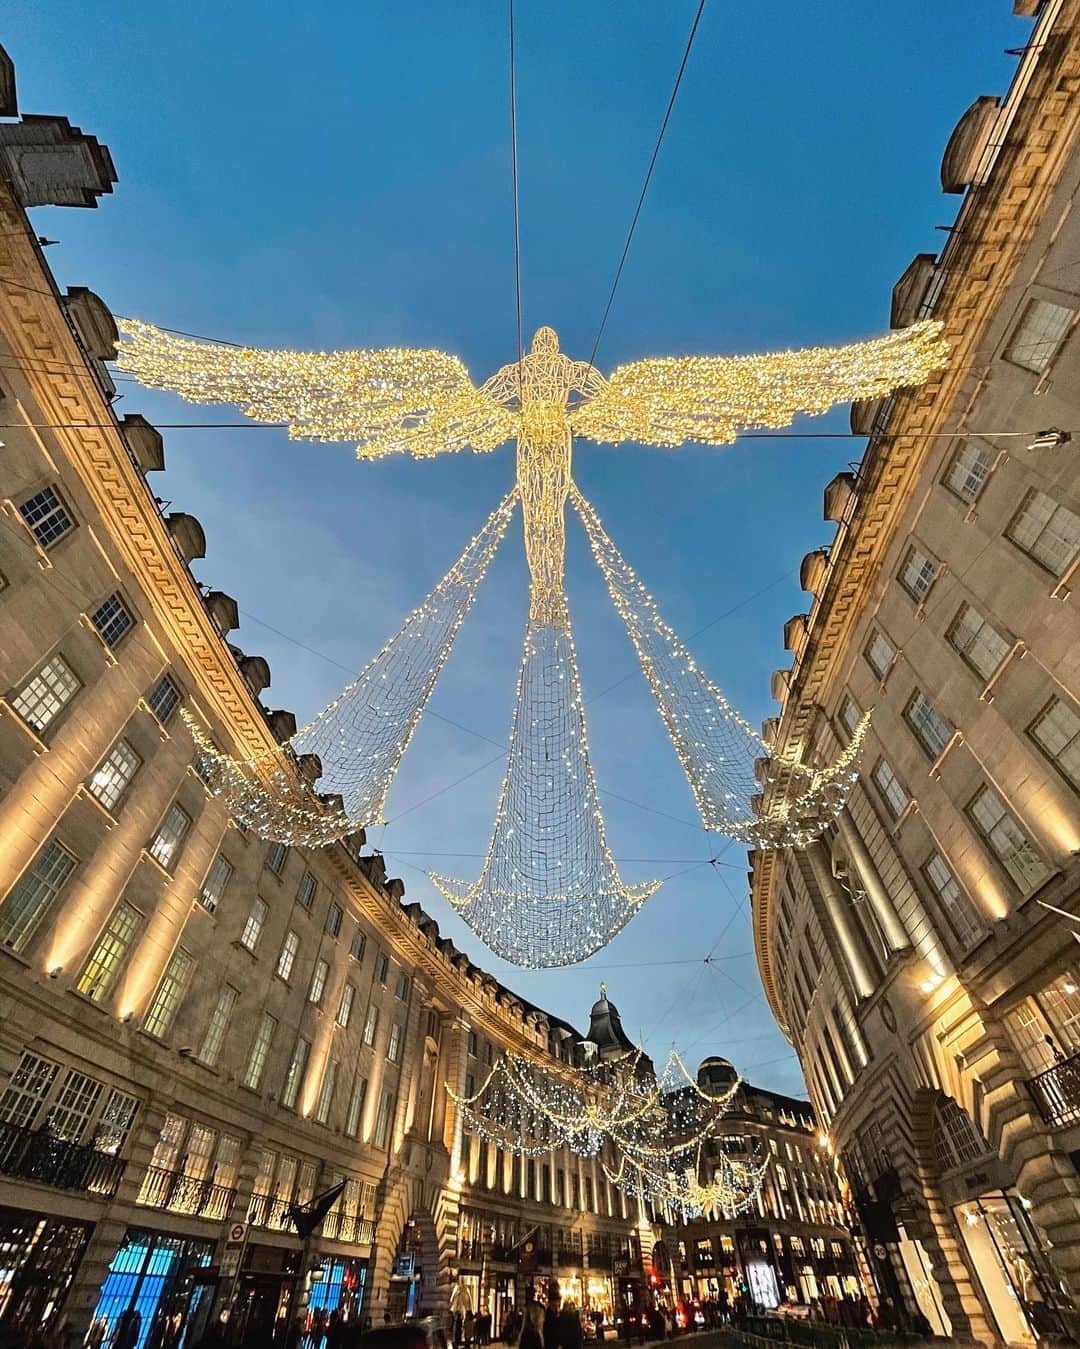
(538, 390)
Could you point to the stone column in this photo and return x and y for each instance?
(836, 906)
(457, 1062)
(879, 897)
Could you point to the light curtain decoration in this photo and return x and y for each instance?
(549, 892)
(652, 1132)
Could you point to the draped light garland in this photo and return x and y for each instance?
(549, 892)
(650, 1131)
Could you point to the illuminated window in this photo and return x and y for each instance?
(111, 619)
(169, 993)
(166, 845)
(917, 574)
(30, 1084)
(210, 1050)
(306, 894)
(393, 1045)
(348, 995)
(384, 1119)
(958, 908)
(931, 729)
(47, 517)
(33, 893)
(356, 1107)
(111, 779)
(1038, 335)
(371, 1025)
(217, 878)
(43, 697)
(253, 927)
(1009, 843)
(968, 470)
(108, 954)
(977, 641)
(326, 1093)
(164, 698)
(318, 981)
(264, 1038)
(1056, 731)
(880, 654)
(295, 1075)
(888, 784)
(287, 958)
(1047, 532)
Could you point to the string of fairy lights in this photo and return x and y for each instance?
(656, 1135)
(549, 892)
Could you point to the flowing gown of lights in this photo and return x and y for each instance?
(549, 891)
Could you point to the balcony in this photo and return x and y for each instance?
(39, 1156)
(1057, 1092)
(267, 1210)
(348, 1227)
(180, 1193)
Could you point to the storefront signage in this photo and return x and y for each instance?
(404, 1265)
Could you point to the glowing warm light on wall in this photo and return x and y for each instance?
(1058, 826)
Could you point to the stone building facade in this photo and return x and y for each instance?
(199, 1030)
(922, 957)
(795, 1244)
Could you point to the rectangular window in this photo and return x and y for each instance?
(74, 1106)
(371, 1025)
(977, 641)
(348, 994)
(359, 943)
(108, 955)
(917, 574)
(968, 470)
(958, 908)
(295, 1075)
(888, 784)
(111, 619)
(115, 1122)
(30, 1084)
(33, 893)
(1056, 731)
(326, 1093)
(318, 981)
(165, 847)
(111, 779)
(382, 965)
(46, 516)
(473, 1043)
(253, 927)
(1047, 532)
(169, 993)
(1038, 335)
(880, 654)
(334, 916)
(401, 987)
(217, 878)
(164, 698)
(356, 1107)
(275, 858)
(287, 959)
(931, 729)
(210, 1050)
(393, 1045)
(43, 697)
(1012, 847)
(260, 1050)
(306, 894)
(385, 1119)
(850, 714)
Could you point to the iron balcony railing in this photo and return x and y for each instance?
(348, 1227)
(201, 1197)
(1057, 1092)
(267, 1210)
(38, 1155)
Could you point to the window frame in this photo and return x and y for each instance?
(1027, 889)
(1054, 759)
(981, 449)
(50, 685)
(913, 549)
(895, 814)
(256, 903)
(287, 956)
(169, 863)
(99, 794)
(59, 507)
(209, 901)
(1029, 553)
(121, 608)
(180, 985)
(930, 747)
(1008, 352)
(976, 922)
(34, 909)
(165, 677)
(965, 608)
(879, 631)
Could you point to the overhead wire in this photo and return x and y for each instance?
(514, 174)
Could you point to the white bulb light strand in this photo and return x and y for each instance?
(549, 892)
(360, 738)
(716, 746)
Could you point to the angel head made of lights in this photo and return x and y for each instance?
(549, 892)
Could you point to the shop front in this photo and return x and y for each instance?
(338, 1284)
(38, 1259)
(158, 1290)
(265, 1287)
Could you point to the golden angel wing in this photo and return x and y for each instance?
(670, 400)
(390, 400)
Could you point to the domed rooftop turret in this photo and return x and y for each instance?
(716, 1075)
(606, 1029)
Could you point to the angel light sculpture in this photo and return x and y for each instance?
(549, 892)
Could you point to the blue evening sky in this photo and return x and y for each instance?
(335, 174)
